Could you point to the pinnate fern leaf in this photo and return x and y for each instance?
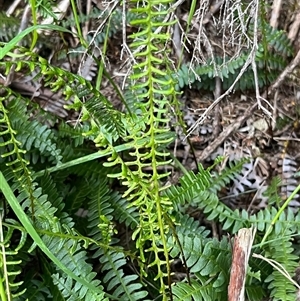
(125, 287)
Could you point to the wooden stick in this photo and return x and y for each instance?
(241, 252)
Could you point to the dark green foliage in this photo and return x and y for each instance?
(33, 135)
(124, 287)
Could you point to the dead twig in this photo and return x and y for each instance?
(294, 29)
(288, 70)
(225, 134)
(276, 8)
(217, 115)
(212, 10)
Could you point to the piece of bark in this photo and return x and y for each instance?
(241, 252)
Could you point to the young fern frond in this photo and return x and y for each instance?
(10, 148)
(79, 89)
(144, 188)
(10, 268)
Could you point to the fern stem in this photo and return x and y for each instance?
(34, 19)
(269, 230)
(82, 40)
(2, 291)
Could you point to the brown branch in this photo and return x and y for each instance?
(276, 7)
(240, 256)
(294, 28)
(225, 134)
(288, 70)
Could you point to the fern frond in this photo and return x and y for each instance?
(107, 123)
(100, 219)
(200, 190)
(72, 134)
(188, 226)
(49, 188)
(124, 212)
(208, 259)
(65, 244)
(10, 148)
(125, 287)
(194, 291)
(100, 212)
(73, 256)
(281, 251)
(10, 263)
(269, 62)
(32, 134)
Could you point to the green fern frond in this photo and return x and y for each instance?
(99, 111)
(10, 266)
(73, 256)
(108, 122)
(200, 190)
(125, 287)
(49, 188)
(32, 134)
(102, 230)
(64, 243)
(10, 148)
(100, 213)
(227, 174)
(272, 192)
(124, 212)
(208, 259)
(190, 184)
(73, 134)
(194, 291)
(282, 252)
(263, 219)
(188, 226)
